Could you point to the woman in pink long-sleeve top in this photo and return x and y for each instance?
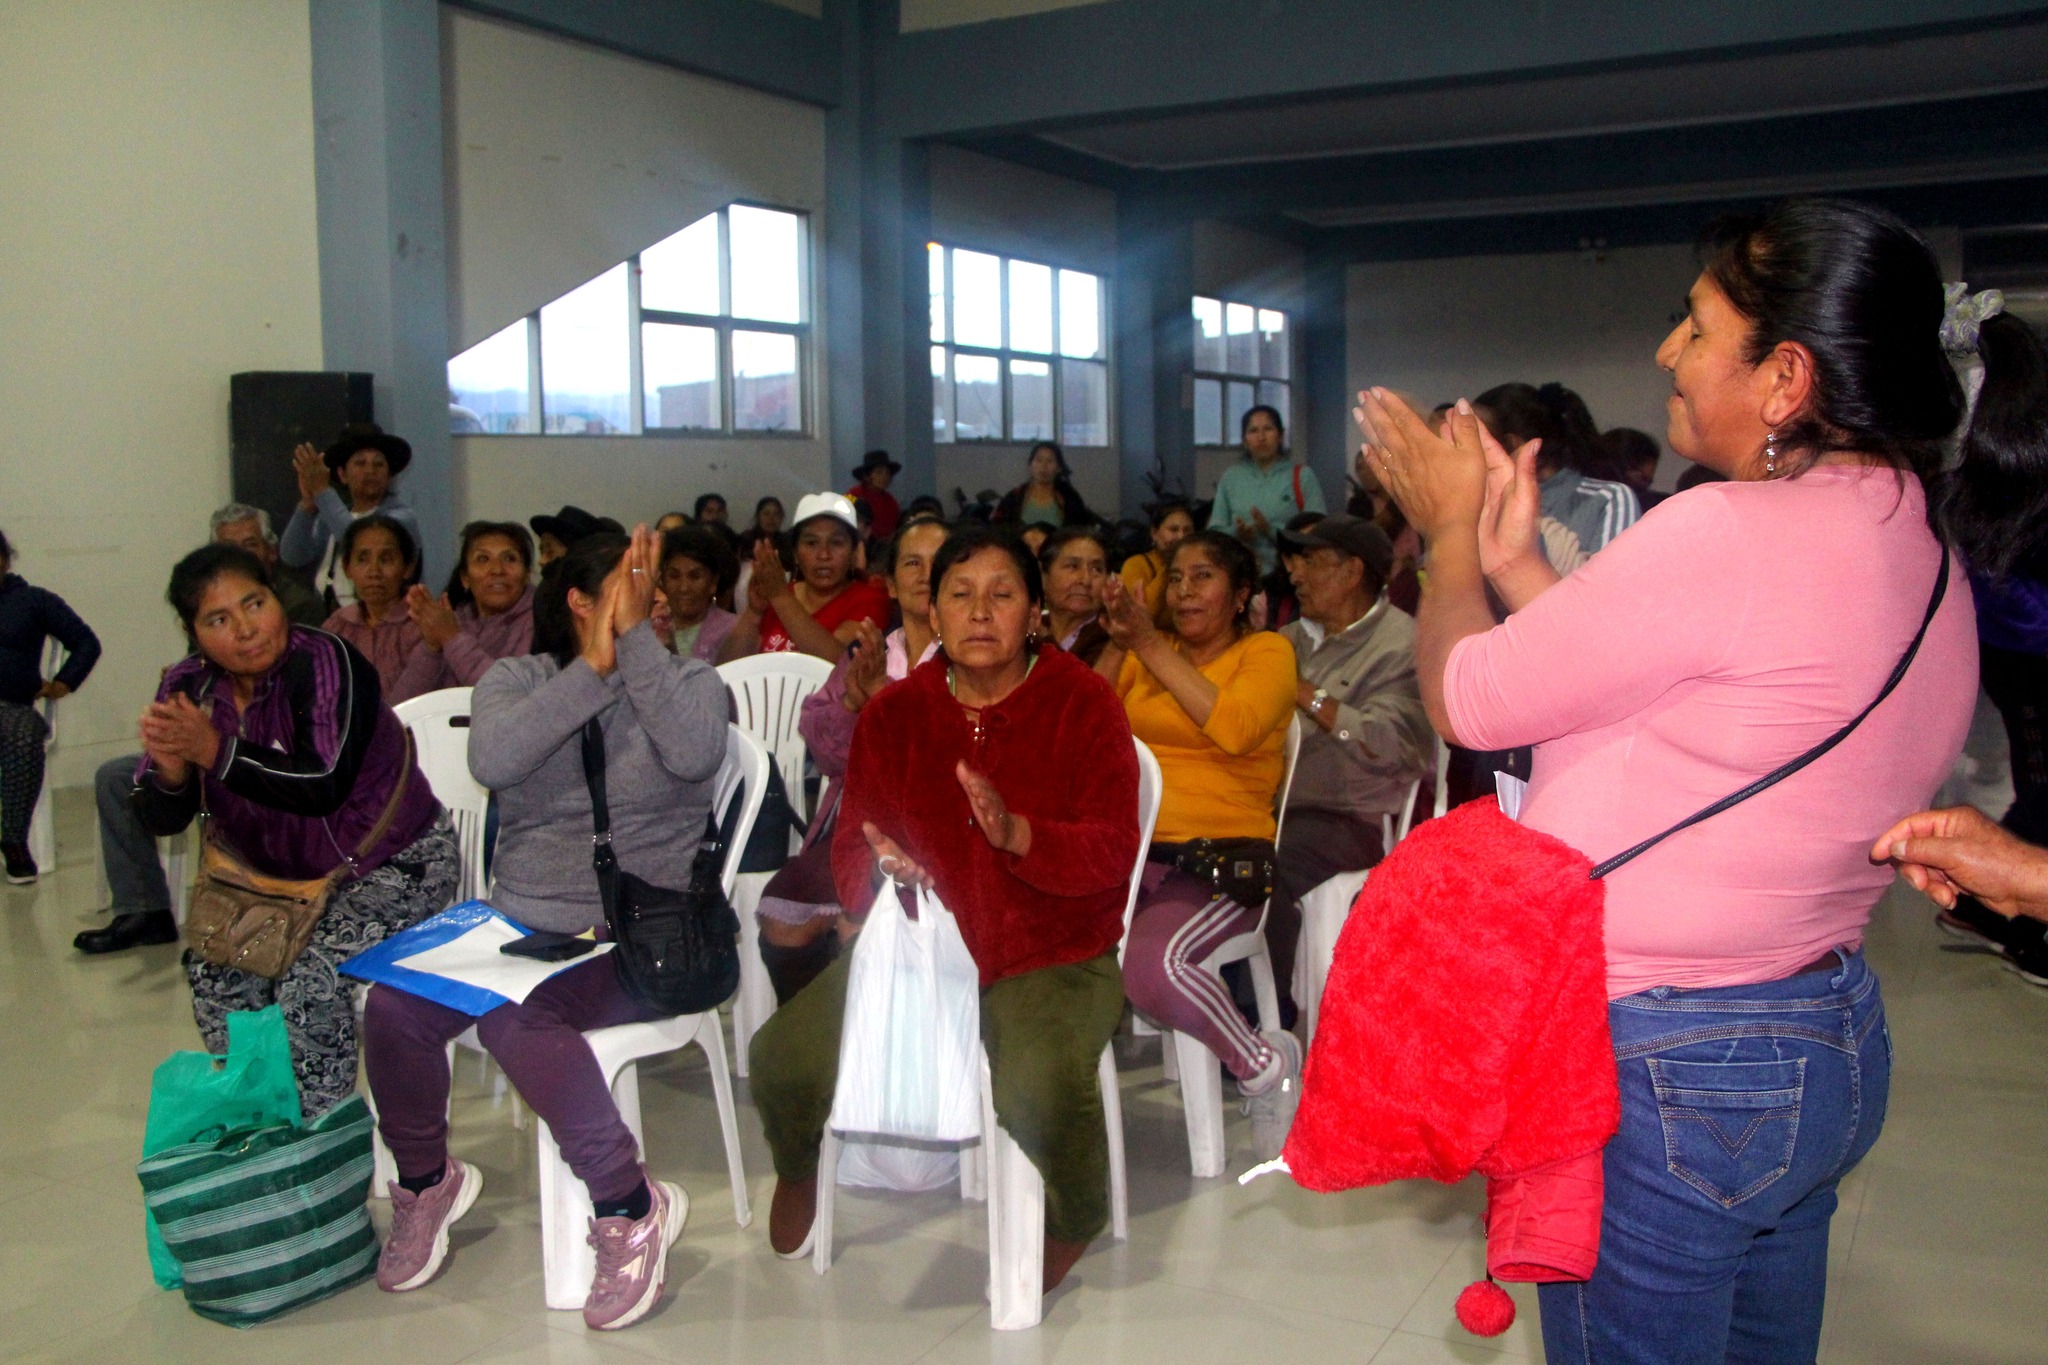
(1732, 629)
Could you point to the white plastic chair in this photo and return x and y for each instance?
(439, 722)
(1323, 912)
(1192, 1063)
(1393, 829)
(1325, 908)
(42, 824)
(768, 692)
(1002, 1173)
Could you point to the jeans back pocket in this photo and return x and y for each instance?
(1729, 1127)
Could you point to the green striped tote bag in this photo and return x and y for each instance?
(266, 1219)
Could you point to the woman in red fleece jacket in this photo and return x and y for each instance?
(1001, 775)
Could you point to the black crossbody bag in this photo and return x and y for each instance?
(674, 951)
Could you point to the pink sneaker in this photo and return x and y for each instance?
(632, 1259)
(418, 1241)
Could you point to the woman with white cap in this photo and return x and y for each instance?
(821, 610)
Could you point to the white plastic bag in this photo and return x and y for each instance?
(906, 1165)
(910, 1048)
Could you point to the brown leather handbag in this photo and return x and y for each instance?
(240, 917)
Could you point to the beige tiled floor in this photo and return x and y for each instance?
(1941, 1247)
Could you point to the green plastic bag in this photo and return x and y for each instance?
(195, 1093)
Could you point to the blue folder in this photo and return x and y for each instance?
(381, 962)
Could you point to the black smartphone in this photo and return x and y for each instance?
(547, 946)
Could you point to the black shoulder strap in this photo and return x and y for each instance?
(1771, 779)
(602, 859)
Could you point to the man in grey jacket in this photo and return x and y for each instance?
(1365, 736)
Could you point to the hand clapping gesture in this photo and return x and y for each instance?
(1125, 617)
(1440, 485)
(868, 672)
(638, 569)
(1002, 827)
(314, 476)
(626, 600)
(177, 734)
(769, 581)
(433, 615)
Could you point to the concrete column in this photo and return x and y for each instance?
(843, 357)
(383, 231)
(1325, 337)
(1155, 349)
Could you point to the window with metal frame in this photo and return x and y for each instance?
(1019, 350)
(1241, 360)
(705, 333)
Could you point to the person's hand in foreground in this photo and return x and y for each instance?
(892, 862)
(1963, 852)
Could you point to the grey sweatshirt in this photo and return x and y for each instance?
(664, 738)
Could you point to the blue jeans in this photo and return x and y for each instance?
(1742, 1108)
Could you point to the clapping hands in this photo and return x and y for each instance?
(1125, 616)
(433, 615)
(313, 474)
(626, 600)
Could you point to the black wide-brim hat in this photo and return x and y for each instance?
(572, 524)
(369, 436)
(876, 459)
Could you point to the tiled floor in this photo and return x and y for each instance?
(1941, 1247)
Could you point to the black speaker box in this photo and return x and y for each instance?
(270, 412)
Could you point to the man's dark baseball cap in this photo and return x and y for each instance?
(1354, 536)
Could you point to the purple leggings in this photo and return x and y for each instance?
(1178, 924)
(539, 1043)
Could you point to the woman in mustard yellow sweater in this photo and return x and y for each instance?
(1212, 700)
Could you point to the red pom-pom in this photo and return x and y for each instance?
(1485, 1309)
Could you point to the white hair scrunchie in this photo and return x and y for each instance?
(1965, 314)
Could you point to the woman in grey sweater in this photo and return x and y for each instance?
(664, 733)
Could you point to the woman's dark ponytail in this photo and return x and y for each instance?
(1994, 502)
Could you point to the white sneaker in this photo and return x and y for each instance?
(1270, 1097)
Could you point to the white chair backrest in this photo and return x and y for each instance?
(1393, 829)
(1151, 790)
(439, 722)
(745, 771)
(768, 692)
(1287, 778)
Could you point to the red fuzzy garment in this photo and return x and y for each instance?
(1464, 1025)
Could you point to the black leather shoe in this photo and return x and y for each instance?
(129, 930)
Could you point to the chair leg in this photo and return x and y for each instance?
(755, 1001)
(1113, 1128)
(1016, 1225)
(1201, 1097)
(568, 1265)
(828, 1189)
(711, 1037)
(974, 1172)
(1260, 965)
(42, 831)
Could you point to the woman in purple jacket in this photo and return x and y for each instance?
(282, 736)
